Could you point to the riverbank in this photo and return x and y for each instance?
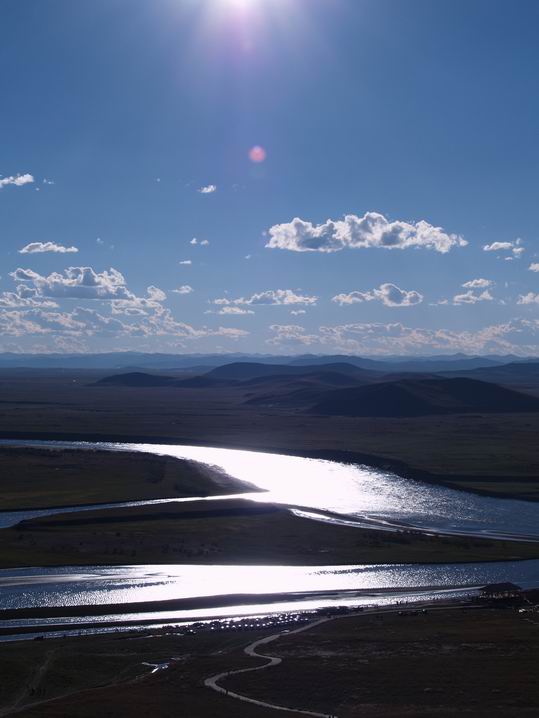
(227, 532)
(449, 660)
(51, 477)
(491, 454)
(525, 488)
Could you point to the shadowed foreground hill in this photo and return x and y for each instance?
(420, 397)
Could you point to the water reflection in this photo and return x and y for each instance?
(352, 492)
(363, 492)
(73, 586)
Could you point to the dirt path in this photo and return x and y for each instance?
(251, 650)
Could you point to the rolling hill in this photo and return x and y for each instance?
(420, 397)
(244, 371)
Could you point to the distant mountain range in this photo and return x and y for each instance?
(137, 361)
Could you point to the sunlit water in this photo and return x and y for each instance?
(315, 488)
(353, 492)
(298, 587)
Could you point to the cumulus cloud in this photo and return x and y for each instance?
(516, 336)
(290, 334)
(77, 283)
(84, 322)
(271, 297)
(185, 262)
(155, 294)
(534, 267)
(389, 294)
(39, 247)
(515, 248)
(24, 297)
(184, 289)
(529, 298)
(16, 180)
(208, 189)
(201, 242)
(471, 297)
(237, 311)
(478, 284)
(354, 232)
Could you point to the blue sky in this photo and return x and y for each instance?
(391, 208)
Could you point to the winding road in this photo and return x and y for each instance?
(251, 650)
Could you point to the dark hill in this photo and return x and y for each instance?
(202, 382)
(136, 378)
(514, 373)
(295, 391)
(327, 378)
(421, 397)
(243, 371)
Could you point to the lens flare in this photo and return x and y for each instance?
(257, 154)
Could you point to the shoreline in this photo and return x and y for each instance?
(208, 602)
(394, 466)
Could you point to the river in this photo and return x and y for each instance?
(323, 490)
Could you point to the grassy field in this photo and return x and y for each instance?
(224, 532)
(480, 663)
(37, 478)
(442, 664)
(495, 454)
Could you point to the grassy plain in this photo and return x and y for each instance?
(43, 477)
(226, 532)
(493, 454)
(478, 662)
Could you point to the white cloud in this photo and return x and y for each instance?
(155, 294)
(389, 294)
(516, 336)
(470, 297)
(25, 296)
(515, 248)
(194, 241)
(16, 180)
(237, 311)
(39, 247)
(291, 334)
(529, 298)
(354, 232)
(534, 267)
(208, 189)
(201, 242)
(184, 289)
(478, 284)
(271, 297)
(77, 283)
(297, 312)
(186, 262)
